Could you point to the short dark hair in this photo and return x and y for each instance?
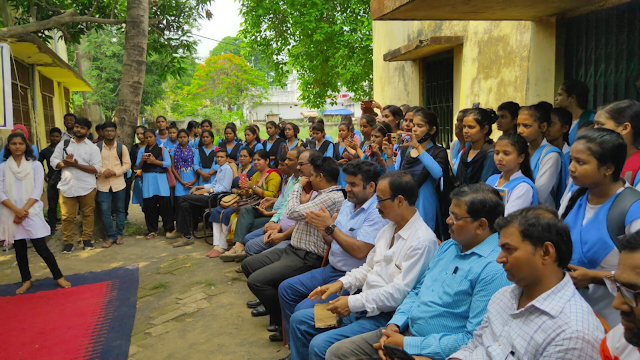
(55, 130)
(629, 242)
(206, 121)
(282, 158)
(98, 127)
(482, 201)
(82, 121)
(368, 170)
(511, 107)
(538, 225)
(248, 150)
(298, 150)
(578, 89)
(401, 183)
(326, 166)
(222, 150)
(70, 114)
(108, 124)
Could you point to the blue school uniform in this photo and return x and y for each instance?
(273, 152)
(328, 152)
(539, 155)
(339, 151)
(257, 146)
(591, 245)
(202, 162)
(511, 185)
(187, 175)
(155, 183)
(427, 200)
(586, 116)
(384, 158)
(296, 143)
(194, 143)
(170, 146)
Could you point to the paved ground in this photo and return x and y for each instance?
(189, 306)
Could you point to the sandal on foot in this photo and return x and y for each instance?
(151, 236)
(108, 243)
(119, 240)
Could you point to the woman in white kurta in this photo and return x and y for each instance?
(21, 217)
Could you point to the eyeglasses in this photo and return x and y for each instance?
(301, 164)
(389, 198)
(629, 296)
(458, 218)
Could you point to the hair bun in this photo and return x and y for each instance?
(493, 115)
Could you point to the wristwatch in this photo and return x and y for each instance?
(329, 229)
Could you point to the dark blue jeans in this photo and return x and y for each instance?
(104, 202)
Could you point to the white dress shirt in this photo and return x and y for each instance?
(75, 182)
(389, 274)
(558, 324)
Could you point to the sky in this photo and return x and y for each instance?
(225, 22)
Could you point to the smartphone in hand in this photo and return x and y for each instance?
(308, 188)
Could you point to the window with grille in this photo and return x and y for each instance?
(20, 96)
(46, 92)
(601, 49)
(437, 73)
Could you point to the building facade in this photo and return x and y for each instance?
(450, 55)
(41, 85)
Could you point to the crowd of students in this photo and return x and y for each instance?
(541, 221)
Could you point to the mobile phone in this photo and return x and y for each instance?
(308, 188)
(393, 138)
(367, 107)
(395, 352)
(369, 151)
(243, 177)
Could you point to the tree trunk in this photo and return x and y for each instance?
(134, 66)
(133, 70)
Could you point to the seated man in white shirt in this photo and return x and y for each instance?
(402, 252)
(542, 316)
(623, 341)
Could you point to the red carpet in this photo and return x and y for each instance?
(91, 320)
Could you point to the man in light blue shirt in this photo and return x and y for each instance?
(351, 234)
(542, 316)
(198, 199)
(440, 314)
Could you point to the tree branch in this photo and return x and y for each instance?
(113, 9)
(66, 35)
(70, 16)
(93, 9)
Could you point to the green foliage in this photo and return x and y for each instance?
(104, 53)
(238, 47)
(224, 81)
(328, 43)
(171, 25)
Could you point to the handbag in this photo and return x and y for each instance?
(229, 200)
(171, 179)
(250, 201)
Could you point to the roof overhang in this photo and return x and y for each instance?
(33, 51)
(420, 48)
(482, 10)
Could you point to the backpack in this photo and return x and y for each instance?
(617, 212)
(118, 149)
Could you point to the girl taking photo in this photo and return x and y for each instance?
(515, 183)
(154, 162)
(373, 151)
(21, 216)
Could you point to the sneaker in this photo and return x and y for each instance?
(67, 249)
(183, 242)
(88, 245)
(172, 235)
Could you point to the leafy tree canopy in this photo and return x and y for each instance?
(328, 43)
(103, 53)
(226, 81)
(238, 47)
(171, 23)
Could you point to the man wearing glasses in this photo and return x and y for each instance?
(440, 314)
(542, 316)
(623, 341)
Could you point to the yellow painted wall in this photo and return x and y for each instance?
(499, 61)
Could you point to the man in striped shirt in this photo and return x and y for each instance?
(542, 316)
(623, 342)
